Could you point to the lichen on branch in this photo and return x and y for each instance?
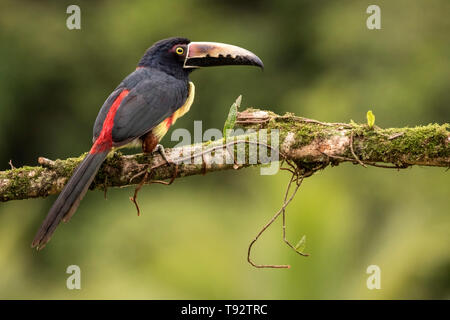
(307, 142)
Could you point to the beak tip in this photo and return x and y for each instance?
(261, 65)
(254, 60)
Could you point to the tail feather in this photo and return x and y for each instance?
(70, 197)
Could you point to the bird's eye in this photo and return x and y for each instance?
(179, 51)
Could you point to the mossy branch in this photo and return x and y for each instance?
(305, 141)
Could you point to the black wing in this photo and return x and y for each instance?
(152, 99)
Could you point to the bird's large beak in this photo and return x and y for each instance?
(208, 54)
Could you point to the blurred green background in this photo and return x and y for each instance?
(191, 241)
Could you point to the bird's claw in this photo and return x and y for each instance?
(159, 148)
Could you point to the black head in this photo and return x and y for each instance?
(179, 56)
(165, 55)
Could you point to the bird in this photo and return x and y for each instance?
(140, 111)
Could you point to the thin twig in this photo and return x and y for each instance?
(167, 183)
(307, 120)
(140, 173)
(370, 163)
(209, 150)
(11, 165)
(395, 135)
(284, 213)
(353, 151)
(267, 225)
(147, 172)
(298, 178)
(136, 191)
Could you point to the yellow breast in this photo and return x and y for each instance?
(161, 129)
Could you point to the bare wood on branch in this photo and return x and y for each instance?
(309, 143)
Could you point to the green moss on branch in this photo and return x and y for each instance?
(305, 141)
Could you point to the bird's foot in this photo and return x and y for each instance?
(160, 149)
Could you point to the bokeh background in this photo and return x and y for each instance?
(191, 241)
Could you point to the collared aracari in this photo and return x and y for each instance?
(141, 110)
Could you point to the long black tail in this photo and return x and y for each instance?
(69, 198)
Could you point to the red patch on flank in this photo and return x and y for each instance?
(104, 140)
(137, 68)
(169, 121)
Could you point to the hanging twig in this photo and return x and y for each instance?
(136, 191)
(296, 177)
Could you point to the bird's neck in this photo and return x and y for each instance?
(172, 68)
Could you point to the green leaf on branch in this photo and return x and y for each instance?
(370, 119)
(301, 245)
(232, 115)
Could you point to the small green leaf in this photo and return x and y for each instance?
(370, 119)
(232, 115)
(301, 245)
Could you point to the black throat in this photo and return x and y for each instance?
(173, 68)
